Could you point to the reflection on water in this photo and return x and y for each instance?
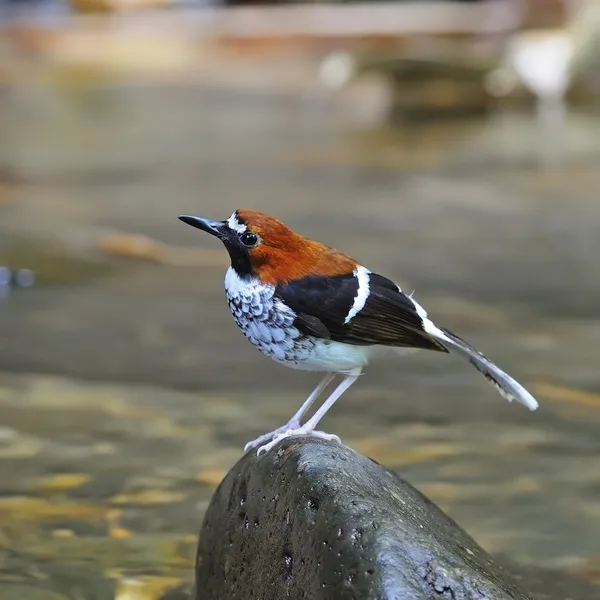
(128, 391)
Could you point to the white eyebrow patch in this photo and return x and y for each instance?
(234, 224)
(363, 276)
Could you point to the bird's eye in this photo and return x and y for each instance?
(249, 239)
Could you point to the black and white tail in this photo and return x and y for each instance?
(504, 383)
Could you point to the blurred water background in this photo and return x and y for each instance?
(452, 146)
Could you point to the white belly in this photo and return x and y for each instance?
(336, 357)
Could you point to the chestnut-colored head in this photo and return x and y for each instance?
(263, 246)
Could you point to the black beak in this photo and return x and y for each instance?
(213, 227)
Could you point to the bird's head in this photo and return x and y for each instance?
(262, 246)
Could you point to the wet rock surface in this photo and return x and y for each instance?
(314, 519)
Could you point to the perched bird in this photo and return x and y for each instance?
(309, 306)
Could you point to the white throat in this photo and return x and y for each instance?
(244, 286)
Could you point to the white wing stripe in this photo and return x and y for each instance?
(363, 275)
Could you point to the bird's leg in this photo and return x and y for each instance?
(309, 427)
(294, 422)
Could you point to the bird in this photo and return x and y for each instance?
(311, 307)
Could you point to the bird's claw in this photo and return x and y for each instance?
(265, 437)
(258, 441)
(291, 432)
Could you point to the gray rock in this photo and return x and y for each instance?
(315, 520)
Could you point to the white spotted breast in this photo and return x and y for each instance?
(266, 321)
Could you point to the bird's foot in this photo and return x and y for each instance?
(266, 437)
(277, 437)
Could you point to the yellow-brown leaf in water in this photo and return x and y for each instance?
(113, 516)
(394, 457)
(148, 497)
(140, 247)
(119, 533)
(22, 507)
(62, 482)
(211, 476)
(145, 588)
(178, 552)
(63, 534)
(190, 538)
(440, 491)
(566, 394)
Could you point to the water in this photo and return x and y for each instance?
(127, 392)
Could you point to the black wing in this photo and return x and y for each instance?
(388, 317)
